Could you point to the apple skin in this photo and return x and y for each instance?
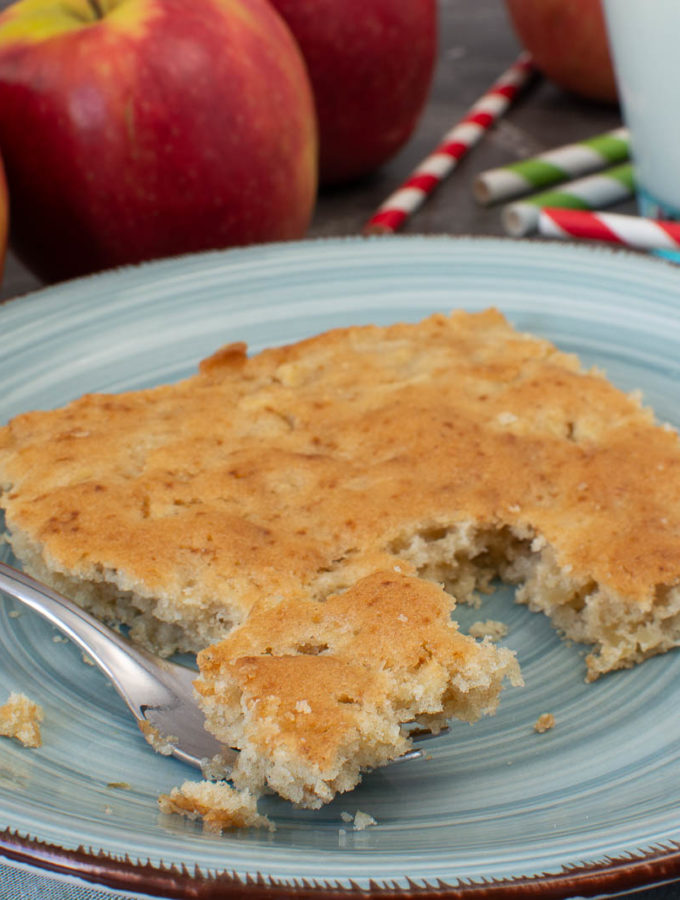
(165, 127)
(371, 64)
(4, 218)
(569, 44)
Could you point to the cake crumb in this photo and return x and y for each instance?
(119, 785)
(20, 718)
(219, 805)
(160, 743)
(360, 819)
(363, 820)
(490, 629)
(218, 767)
(544, 722)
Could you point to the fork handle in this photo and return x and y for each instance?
(108, 649)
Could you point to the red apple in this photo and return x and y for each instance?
(568, 41)
(4, 218)
(134, 129)
(370, 63)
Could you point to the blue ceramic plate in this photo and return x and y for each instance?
(591, 806)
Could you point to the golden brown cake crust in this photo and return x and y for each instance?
(306, 467)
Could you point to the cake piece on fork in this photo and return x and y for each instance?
(312, 694)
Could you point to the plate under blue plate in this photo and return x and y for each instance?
(578, 805)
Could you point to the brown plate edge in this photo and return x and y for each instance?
(644, 868)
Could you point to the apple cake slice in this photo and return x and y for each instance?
(312, 694)
(457, 444)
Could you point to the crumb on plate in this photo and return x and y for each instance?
(363, 820)
(20, 718)
(491, 629)
(219, 805)
(544, 722)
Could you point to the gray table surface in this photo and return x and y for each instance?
(476, 45)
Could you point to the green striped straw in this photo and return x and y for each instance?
(593, 192)
(562, 164)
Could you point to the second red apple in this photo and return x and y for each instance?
(568, 41)
(370, 63)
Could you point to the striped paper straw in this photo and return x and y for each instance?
(592, 192)
(561, 164)
(630, 231)
(392, 214)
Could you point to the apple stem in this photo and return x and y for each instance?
(96, 8)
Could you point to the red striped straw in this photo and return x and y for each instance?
(392, 214)
(630, 231)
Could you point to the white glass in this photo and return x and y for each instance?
(645, 43)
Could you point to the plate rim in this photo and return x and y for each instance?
(640, 868)
(610, 251)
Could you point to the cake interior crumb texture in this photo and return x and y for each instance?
(218, 805)
(20, 718)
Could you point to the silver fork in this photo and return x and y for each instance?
(159, 693)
